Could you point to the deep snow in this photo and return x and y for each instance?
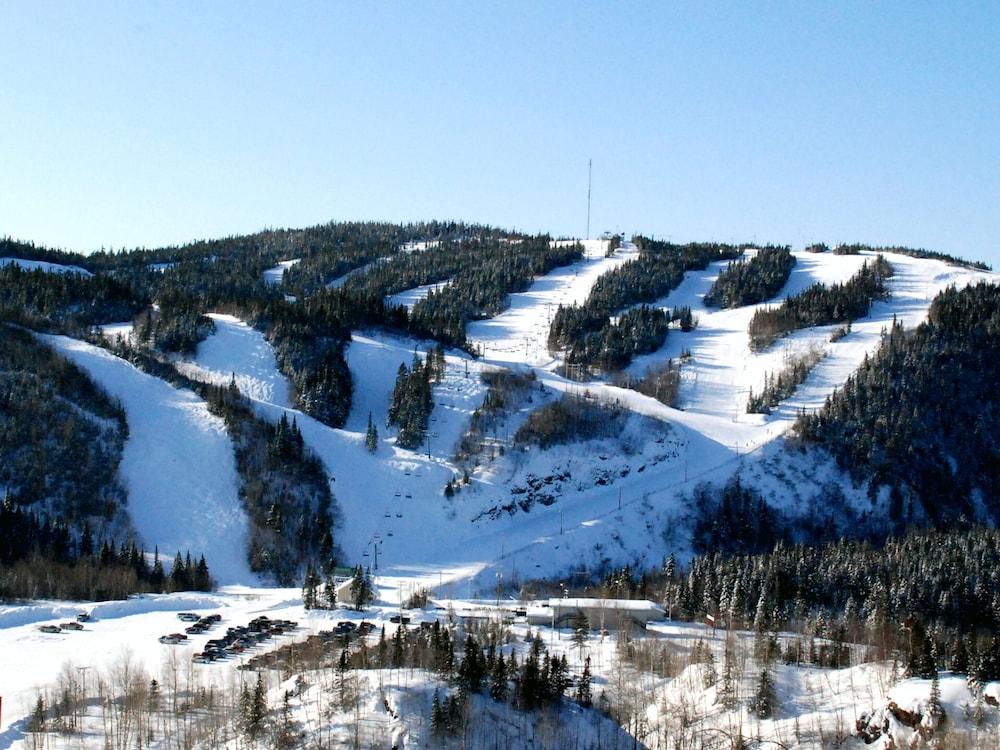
(178, 465)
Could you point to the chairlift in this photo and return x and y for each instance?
(388, 515)
(389, 533)
(399, 515)
(364, 554)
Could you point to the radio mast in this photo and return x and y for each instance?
(590, 164)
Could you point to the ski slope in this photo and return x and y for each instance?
(178, 465)
(519, 335)
(41, 265)
(707, 439)
(236, 350)
(276, 274)
(617, 500)
(411, 297)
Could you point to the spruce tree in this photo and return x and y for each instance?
(371, 435)
(583, 691)
(310, 588)
(498, 679)
(764, 701)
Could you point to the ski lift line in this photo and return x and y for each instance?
(647, 495)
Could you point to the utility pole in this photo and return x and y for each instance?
(590, 165)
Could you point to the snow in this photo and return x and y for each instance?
(237, 350)
(616, 500)
(342, 279)
(412, 296)
(178, 465)
(276, 274)
(519, 334)
(41, 265)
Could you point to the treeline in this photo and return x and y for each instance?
(175, 325)
(481, 291)
(283, 484)
(11, 248)
(586, 331)
(411, 404)
(822, 305)
(639, 330)
(64, 302)
(42, 559)
(61, 436)
(285, 490)
(858, 248)
(781, 386)
(482, 272)
(922, 415)
(748, 282)
(943, 580)
(329, 252)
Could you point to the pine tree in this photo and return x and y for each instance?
(438, 720)
(581, 629)
(330, 592)
(371, 435)
(727, 692)
(583, 691)
(157, 577)
(361, 589)
(764, 700)
(202, 578)
(498, 679)
(179, 574)
(310, 588)
(37, 721)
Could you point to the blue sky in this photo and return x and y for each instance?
(146, 124)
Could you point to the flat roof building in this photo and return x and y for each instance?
(600, 613)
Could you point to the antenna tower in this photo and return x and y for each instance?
(590, 164)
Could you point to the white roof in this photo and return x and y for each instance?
(585, 603)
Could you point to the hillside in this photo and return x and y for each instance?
(532, 463)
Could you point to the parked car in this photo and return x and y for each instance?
(187, 617)
(50, 629)
(71, 625)
(84, 617)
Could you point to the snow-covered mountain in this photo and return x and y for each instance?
(435, 518)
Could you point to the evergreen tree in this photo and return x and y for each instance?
(361, 589)
(581, 629)
(310, 588)
(371, 435)
(583, 690)
(498, 679)
(727, 691)
(765, 700)
(330, 592)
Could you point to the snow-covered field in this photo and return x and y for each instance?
(679, 703)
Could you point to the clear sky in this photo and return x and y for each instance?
(146, 124)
